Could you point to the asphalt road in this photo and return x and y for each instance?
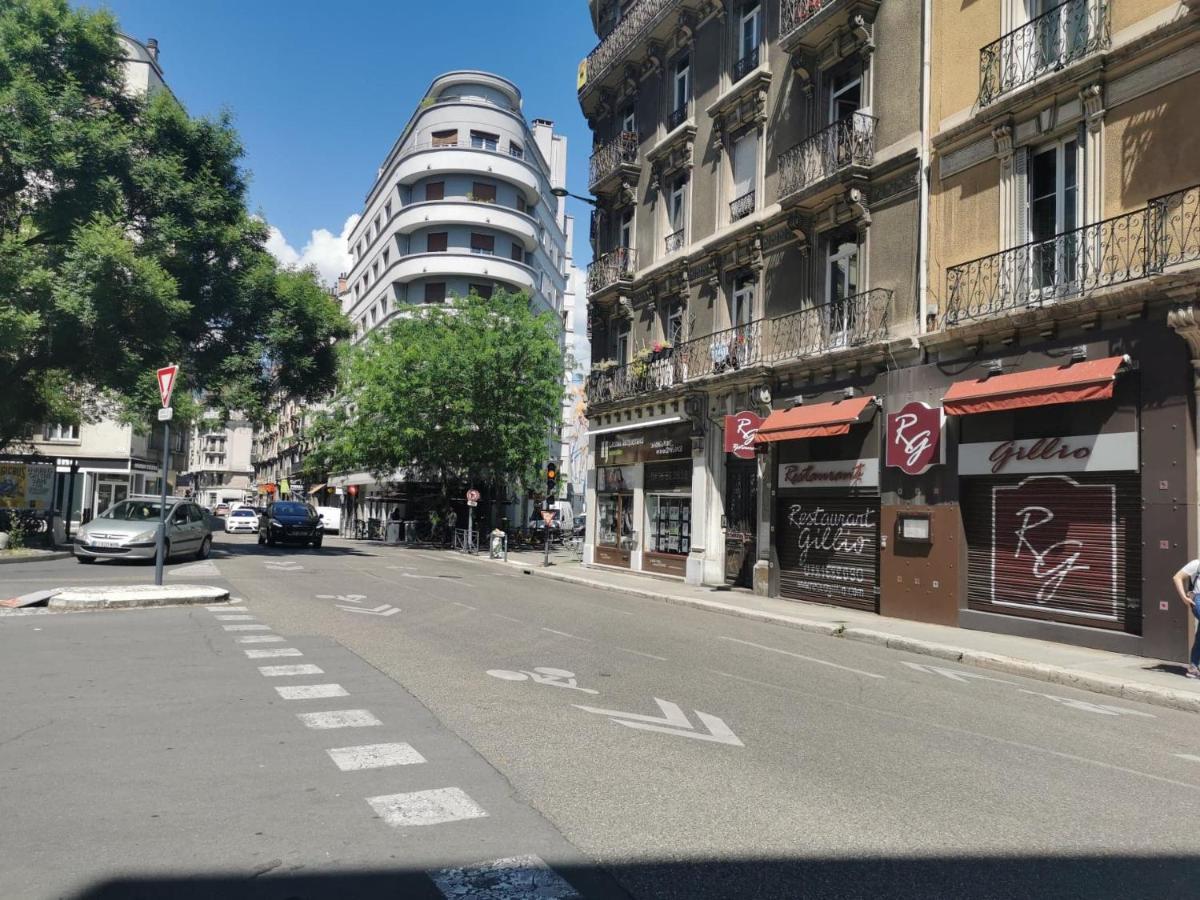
(681, 753)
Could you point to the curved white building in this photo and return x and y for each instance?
(462, 203)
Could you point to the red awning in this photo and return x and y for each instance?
(1088, 380)
(818, 420)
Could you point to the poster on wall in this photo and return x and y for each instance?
(1055, 547)
(614, 479)
(26, 485)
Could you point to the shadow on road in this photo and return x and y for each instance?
(986, 878)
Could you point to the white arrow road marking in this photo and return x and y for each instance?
(1102, 708)
(382, 610)
(284, 567)
(954, 674)
(673, 721)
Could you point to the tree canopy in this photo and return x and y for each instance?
(125, 242)
(467, 392)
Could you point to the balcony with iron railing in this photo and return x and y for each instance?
(741, 207)
(1056, 38)
(842, 147)
(612, 160)
(805, 24)
(745, 65)
(851, 322)
(637, 24)
(677, 117)
(1160, 237)
(612, 268)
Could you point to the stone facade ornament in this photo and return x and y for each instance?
(685, 29)
(1184, 320)
(653, 63)
(1092, 99)
(1003, 136)
(624, 308)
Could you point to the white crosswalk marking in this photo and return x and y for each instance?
(301, 669)
(426, 807)
(235, 618)
(311, 691)
(268, 654)
(260, 639)
(513, 878)
(246, 627)
(374, 756)
(339, 718)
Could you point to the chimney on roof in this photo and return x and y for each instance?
(152, 48)
(342, 284)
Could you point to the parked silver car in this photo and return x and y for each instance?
(127, 530)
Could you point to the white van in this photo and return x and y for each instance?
(331, 518)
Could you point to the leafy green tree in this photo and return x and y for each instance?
(125, 242)
(467, 392)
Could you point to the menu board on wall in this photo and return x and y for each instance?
(645, 445)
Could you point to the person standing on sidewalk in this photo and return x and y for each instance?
(1187, 584)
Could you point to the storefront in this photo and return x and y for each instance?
(827, 511)
(1051, 494)
(740, 519)
(644, 498)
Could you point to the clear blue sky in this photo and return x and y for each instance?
(320, 89)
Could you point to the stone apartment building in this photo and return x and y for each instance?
(219, 466)
(890, 306)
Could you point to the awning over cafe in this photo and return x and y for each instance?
(1073, 383)
(818, 420)
(316, 489)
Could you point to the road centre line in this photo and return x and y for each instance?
(811, 659)
(564, 634)
(510, 618)
(301, 669)
(464, 605)
(640, 653)
(960, 731)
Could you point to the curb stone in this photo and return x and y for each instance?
(40, 557)
(1099, 684)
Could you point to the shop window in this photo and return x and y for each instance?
(668, 524)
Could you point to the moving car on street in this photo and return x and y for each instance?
(242, 520)
(288, 521)
(331, 518)
(129, 530)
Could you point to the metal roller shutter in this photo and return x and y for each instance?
(828, 549)
(1057, 547)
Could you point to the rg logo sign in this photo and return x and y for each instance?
(914, 438)
(740, 430)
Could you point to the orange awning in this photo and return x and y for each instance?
(1088, 380)
(818, 420)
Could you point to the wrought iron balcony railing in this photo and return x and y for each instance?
(741, 207)
(639, 19)
(745, 65)
(1128, 247)
(794, 14)
(850, 322)
(847, 142)
(674, 241)
(677, 117)
(1068, 32)
(610, 157)
(614, 266)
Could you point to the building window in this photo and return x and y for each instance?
(841, 284)
(436, 242)
(675, 214)
(387, 211)
(745, 175)
(522, 206)
(446, 138)
(674, 325)
(629, 119)
(435, 190)
(1053, 214)
(625, 234)
(516, 150)
(622, 348)
(741, 304)
(484, 244)
(845, 96)
(518, 252)
(435, 292)
(681, 86)
(481, 192)
(481, 140)
(387, 254)
(750, 36)
(483, 290)
(61, 432)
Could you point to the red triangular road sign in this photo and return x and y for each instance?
(166, 383)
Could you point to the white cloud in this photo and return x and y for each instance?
(330, 253)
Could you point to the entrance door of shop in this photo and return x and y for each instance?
(828, 548)
(741, 520)
(109, 493)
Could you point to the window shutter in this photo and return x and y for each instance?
(1020, 193)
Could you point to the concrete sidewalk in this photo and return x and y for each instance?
(1117, 675)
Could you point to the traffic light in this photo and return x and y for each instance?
(551, 480)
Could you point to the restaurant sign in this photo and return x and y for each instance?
(842, 473)
(1079, 453)
(914, 438)
(645, 444)
(740, 429)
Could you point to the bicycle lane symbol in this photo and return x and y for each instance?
(543, 675)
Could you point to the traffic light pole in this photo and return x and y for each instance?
(546, 560)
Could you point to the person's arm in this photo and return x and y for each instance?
(1181, 585)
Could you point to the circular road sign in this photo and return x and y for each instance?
(473, 495)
